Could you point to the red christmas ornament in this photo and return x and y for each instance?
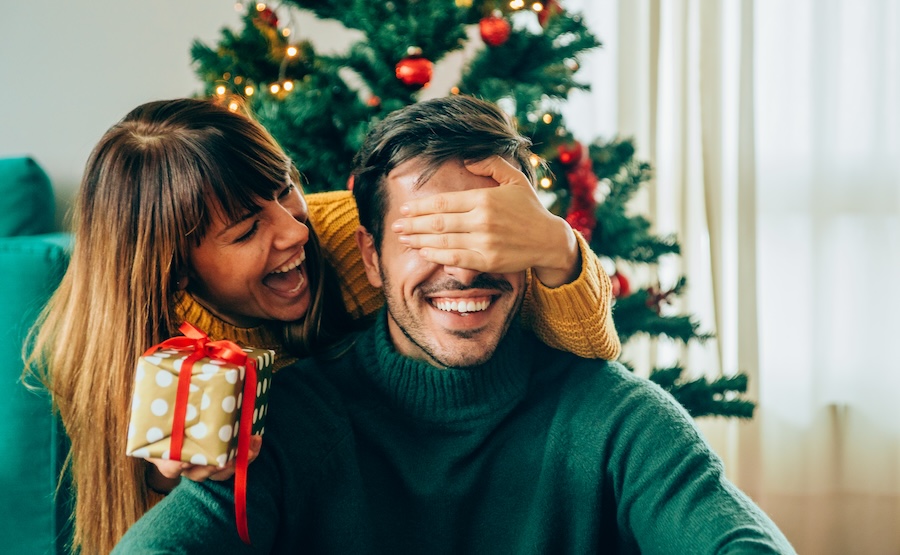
(551, 8)
(267, 16)
(494, 29)
(569, 154)
(620, 285)
(583, 221)
(414, 70)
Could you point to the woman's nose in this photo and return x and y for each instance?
(289, 231)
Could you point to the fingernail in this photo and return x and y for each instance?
(404, 209)
(397, 227)
(404, 239)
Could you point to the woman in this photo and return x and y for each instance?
(189, 211)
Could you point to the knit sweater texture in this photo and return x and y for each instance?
(574, 317)
(536, 451)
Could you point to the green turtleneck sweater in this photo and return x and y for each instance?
(537, 451)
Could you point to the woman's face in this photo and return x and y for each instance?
(252, 270)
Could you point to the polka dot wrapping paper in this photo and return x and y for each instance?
(214, 404)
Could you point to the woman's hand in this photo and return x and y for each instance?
(501, 229)
(163, 474)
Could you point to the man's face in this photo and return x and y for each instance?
(444, 315)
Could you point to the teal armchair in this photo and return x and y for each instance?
(34, 504)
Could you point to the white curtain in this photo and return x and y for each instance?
(774, 131)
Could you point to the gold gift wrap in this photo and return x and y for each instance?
(213, 409)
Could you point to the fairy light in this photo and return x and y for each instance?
(260, 6)
(292, 51)
(517, 4)
(220, 90)
(238, 80)
(226, 76)
(248, 90)
(285, 32)
(547, 118)
(274, 88)
(288, 86)
(233, 106)
(454, 90)
(546, 182)
(535, 160)
(537, 6)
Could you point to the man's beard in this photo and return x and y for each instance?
(406, 320)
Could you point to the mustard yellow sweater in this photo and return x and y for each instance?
(575, 317)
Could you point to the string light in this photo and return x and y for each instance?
(537, 6)
(454, 90)
(238, 80)
(260, 6)
(286, 32)
(288, 86)
(546, 182)
(233, 106)
(535, 160)
(517, 4)
(248, 90)
(547, 118)
(274, 88)
(220, 90)
(291, 51)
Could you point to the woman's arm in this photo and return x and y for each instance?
(498, 229)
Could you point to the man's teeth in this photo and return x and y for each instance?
(462, 306)
(291, 265)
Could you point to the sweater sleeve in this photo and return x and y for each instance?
(671, 492)
(334, 218)
(575, 317)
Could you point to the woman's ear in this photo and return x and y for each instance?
(181, 282)
(369, 253)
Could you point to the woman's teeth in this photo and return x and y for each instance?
(290, 265)
(462, 306)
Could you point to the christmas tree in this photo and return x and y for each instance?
(525, 58)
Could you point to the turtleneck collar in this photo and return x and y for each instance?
(187, 309)
(447, 395)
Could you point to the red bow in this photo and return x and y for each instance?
(226, 351)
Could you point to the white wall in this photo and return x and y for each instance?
(69, 70)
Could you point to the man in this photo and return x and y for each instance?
(447, 429)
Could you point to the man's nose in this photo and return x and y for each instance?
(462, 275)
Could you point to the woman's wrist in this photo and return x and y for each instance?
(565, 264)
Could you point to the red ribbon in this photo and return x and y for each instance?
(226, 351)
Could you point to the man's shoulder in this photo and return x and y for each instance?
(602, 380)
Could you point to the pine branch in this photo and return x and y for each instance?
(721, 397)
(637, 313)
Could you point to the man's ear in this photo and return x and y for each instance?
(366, 244)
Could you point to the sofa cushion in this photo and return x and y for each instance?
(32, 442)
(27, 206)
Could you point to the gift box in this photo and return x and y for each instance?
(198, 412)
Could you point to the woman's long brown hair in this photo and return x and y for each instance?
(144, 199)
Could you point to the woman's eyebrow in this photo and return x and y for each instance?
(243, 218)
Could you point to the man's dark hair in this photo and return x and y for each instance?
(434, 131)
